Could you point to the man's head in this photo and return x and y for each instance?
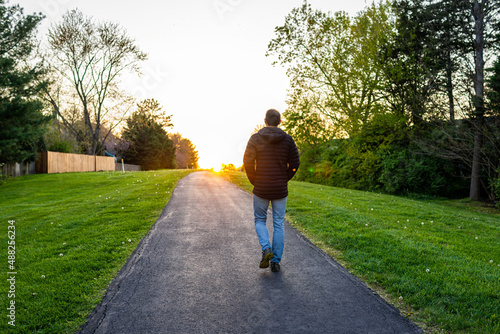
(273, 117)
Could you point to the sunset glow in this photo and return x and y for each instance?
(206, 66)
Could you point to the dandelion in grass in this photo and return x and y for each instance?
(427, 270)
(122, 207)
(422, 223)
(43, 276)
(491, 261)
(64, 244)
(400, 297)
(61, 254)
(129, 240)
(477, 238)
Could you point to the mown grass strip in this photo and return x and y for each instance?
(437, 261)
(73, 233)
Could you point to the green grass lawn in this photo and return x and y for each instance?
(437, 261)
(73, 233)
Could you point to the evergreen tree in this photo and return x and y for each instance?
(494, 89)
(186, 155)
(150, 145)
(21, 117)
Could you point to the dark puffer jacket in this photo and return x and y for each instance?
(271, 159)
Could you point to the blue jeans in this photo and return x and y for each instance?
(260, 207)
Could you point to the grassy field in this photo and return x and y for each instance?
(73, 233)
(437, 261)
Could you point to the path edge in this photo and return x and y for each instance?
(97, 316)
(353, 278)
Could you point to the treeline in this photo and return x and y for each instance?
(64, 94)
(402, 98)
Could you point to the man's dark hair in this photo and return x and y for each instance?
(273, 117)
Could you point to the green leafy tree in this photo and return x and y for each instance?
(21, 117)
(303, 123)
(333, 65)
(149, 144)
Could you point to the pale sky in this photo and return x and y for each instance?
(207, 63)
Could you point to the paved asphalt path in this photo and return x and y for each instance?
(197, 271)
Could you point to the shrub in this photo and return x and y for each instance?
(60, 146)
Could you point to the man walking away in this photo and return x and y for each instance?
(271, 159)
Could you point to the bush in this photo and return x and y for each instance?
(407, 172)
(381, 157)
(336, 163)
(496, 187)
(60, 146)
(389, 169)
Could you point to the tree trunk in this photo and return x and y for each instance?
(478, 13)
(475, 182)
(449, 85)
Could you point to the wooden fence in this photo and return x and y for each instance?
(56, 162)
(17, 169)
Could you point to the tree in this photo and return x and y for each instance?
(412, 63)
(486, 32)
(186, 155)
(90, 57)
(21, 117)
(333, 65)
(437, 39)
(494, 89)
(306, 126)
(448, 22)
(149, 144)
(228, 168)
